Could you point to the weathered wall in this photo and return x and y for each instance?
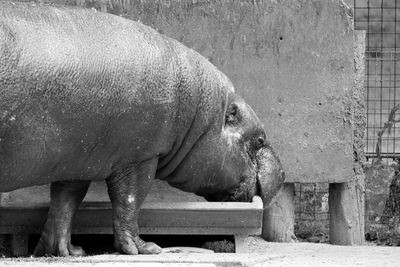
(292, 60)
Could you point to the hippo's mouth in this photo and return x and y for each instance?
(245, 192)
(265, 180)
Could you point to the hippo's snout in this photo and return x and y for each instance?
(265, 179)
(270, 175)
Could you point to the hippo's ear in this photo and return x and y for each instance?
(233, 115)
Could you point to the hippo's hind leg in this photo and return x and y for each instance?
(56, 237)
(127, 189)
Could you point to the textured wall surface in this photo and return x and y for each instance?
(291, 60)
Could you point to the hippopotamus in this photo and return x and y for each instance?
(89, 96)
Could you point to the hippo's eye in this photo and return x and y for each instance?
(232, 114)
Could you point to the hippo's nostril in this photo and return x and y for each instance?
(257, 143)
(260, 142)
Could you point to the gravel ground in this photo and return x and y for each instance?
(262, 254)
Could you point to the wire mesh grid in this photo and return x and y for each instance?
(312, 212)
(381, 21)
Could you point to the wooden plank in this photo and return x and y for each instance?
(346, 215)
(278, 220)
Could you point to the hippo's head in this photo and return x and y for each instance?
(232, 161)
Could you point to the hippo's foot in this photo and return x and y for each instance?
(135, 245)
(57, 247)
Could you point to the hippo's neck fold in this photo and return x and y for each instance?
(210, 91)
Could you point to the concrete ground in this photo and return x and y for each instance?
(310, 254)
(262, 254)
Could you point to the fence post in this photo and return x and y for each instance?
(346, 214)
(278, 218)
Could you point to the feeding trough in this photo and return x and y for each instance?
(165, 212)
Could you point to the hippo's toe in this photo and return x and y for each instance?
(149, 248)
(57, 248)
(76, 250)
(135, 245)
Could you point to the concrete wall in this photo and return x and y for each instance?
(293, 62)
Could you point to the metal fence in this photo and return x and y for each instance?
(312, 212)
(381, 20)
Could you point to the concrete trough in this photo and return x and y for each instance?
(159, 215)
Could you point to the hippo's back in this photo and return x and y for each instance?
(84, 48)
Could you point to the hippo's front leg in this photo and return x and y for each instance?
(127, 190)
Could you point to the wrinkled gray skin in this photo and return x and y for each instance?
(86, 96)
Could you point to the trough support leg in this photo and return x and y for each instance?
(241, 243)
(278, 218)
(19, 244)
(346, 208)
